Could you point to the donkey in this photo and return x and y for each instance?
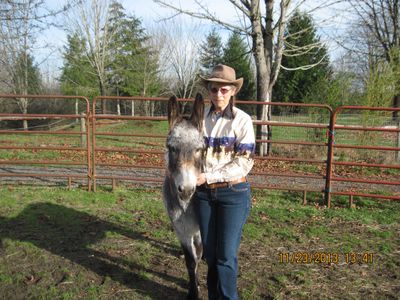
(185, 144)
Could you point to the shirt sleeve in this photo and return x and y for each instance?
(242, 161)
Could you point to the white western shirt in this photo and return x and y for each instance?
(230, 145)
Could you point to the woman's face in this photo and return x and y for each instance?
(220, 94)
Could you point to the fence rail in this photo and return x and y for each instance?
(307, 154)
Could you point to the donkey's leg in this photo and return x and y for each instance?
(191, 260)
(198, 246)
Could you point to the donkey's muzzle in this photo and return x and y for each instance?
(185, 193)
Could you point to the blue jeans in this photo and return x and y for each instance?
(222, 213)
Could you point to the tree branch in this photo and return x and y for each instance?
(205, 15)
(242, 8)
(306, 67)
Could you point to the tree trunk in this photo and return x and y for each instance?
(76, 110)
(118, 104)
(263, 69)
(25, 124)
(263, 131)
(118, 107)
(24, 111)
(103, 101)
(132, 108)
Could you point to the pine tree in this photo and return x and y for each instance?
(77, 75)
(297, 85)
(211, 51)
(134, 66)
(26, 78)
(236, 55)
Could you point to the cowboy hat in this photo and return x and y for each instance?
(223, 74)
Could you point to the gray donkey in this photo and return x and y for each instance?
(185, 144)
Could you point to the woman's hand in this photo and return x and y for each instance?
(201, 179)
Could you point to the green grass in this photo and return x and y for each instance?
(49, 228)
(73, 244)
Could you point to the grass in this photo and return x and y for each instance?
(78, 230)
(73, 244)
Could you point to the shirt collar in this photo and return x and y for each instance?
(227, 113)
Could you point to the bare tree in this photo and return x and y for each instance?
(267, 40)
(20, 24)
(380, 22)
(179, 55)
(17, 32)
(90, 19)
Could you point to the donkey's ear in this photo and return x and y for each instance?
(198, 112)
(173, 111)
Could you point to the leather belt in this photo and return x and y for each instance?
(225, 183)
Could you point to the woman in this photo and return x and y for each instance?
(223, 193)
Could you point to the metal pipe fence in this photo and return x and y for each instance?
(37, 145)
(382, 181)
(126, 143)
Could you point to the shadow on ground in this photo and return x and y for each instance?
(48, 226)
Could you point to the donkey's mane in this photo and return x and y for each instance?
(185, 133)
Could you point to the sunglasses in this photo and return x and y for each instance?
(223, 90)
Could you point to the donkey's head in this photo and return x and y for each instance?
(185, 145)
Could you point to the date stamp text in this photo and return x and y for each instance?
(325, 257)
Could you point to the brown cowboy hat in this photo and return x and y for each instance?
(223, 74)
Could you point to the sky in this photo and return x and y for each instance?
(51, 42)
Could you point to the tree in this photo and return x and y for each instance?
(179, 56)
(134, 64)
(26, 80)
(77, 75)
(295, 83)
(267, 45)
(381, 84)
(236, 55)
(90, 20)
(211, 51)
(380, 20)
(335, 90)
(21, 22)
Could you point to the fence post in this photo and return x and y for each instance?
(329, 161)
